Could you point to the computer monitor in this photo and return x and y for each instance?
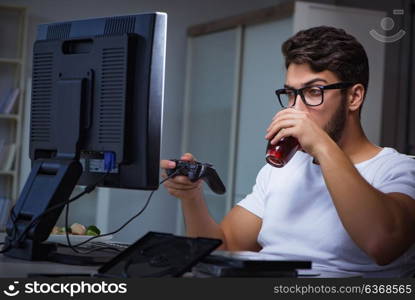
(97, 99)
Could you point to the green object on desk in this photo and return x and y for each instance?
(93, 230)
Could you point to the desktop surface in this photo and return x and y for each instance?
(17, 268)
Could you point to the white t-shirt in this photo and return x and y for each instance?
(299, 220)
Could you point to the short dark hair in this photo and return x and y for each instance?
(329, 48)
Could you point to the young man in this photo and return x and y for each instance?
(342, 202)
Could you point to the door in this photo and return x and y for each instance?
(231, 79)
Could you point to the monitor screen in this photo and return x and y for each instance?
(114, 67)
(96, 117)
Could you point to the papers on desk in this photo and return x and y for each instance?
(246, 255)
(269, 265)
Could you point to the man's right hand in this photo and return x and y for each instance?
(180, 186)
(238, 231)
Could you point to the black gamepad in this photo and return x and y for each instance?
(196, 170)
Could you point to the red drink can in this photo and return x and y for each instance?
(279, 155)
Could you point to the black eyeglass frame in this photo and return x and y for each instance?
(333, 86)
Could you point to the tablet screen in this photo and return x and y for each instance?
(159, 255)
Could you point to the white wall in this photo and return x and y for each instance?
(119, 204)
(263, 72)
(357, 22)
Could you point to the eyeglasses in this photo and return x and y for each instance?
(311, 95)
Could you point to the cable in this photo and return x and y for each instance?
(73, 248)
(109, 165)
(87, 190)
(13, 217)
(132, 218)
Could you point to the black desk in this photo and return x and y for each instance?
(11, 267)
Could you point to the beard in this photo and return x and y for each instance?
(335, 126)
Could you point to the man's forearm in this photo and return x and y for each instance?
(198, 221)
(372, 218)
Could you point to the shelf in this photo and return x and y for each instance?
(10, 60)
(8, 173)
(9, 117)
(13, 36)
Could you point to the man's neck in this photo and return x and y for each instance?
(356, 145)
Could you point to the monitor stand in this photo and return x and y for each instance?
(49, 186)
(51, 180)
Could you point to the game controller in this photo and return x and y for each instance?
(196, 170)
